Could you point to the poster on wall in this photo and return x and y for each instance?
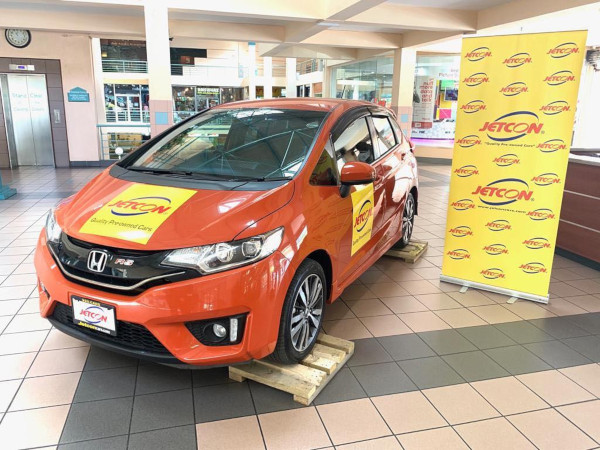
(516, 106)
(423, 102)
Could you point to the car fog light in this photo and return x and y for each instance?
(219, 330)
(233, 330)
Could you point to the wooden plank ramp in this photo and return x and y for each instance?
(304, 380)
(411, 253)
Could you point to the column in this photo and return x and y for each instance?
(251, 71)
(290, 76)
(156, 15)
(403, 82)
(327, 81)
(268, 76)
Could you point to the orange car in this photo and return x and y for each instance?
(221, 239)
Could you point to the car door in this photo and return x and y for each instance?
(353, 142)
(391, 166)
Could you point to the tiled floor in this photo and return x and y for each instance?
(433, 367)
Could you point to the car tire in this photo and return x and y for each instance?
(302, 314)
(408, 222)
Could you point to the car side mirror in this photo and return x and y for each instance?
(356, 172)
(353, 173)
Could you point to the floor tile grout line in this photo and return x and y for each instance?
(137, 371)
(256, 415)
(574, 424)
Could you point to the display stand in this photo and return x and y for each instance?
(411, 253)
(5, 191)
(304, 380)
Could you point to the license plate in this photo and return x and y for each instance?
(94, 315)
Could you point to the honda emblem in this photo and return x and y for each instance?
(97, 261)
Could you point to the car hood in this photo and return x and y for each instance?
(206, 217)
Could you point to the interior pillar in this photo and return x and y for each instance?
(403, 82)
(251, 71)
(268, 77)
(290, 77)
(156, 16)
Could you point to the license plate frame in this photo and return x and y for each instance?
(94, 315)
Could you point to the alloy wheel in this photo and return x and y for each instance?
(307, 312)
(408, 218)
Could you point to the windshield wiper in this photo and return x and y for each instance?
(261, 179)
(160, 171)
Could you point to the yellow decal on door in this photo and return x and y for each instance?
(136, 213)
(362, 217)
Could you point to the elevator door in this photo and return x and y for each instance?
(28, 120)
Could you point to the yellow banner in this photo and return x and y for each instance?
(362, 216)
(137, 212)
(516, 107)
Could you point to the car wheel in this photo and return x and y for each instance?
(302, 314)
(408, 222)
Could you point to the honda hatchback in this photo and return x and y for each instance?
(222, 239)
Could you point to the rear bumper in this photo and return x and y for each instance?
(257, 290)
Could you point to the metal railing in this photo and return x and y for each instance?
(125, 115)
(122, 65)
(312, 65)
(226, 72)
(124, 136)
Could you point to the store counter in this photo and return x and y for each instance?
(579, 227)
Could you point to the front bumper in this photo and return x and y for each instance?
(257, 290)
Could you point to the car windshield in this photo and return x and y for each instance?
(236, 144)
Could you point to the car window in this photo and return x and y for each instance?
(397, 130)
(354, 144)
(325, 172)
(385, 135)
(236, 144)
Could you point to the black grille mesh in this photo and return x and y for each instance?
(129, 335)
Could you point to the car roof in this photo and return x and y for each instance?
(306, 103)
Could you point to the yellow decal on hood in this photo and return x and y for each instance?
(362, 217)
(136, 213)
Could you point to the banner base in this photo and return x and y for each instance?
(497, 290)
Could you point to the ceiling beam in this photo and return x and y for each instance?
(523, 9)
(226, 31)
(392, 15)
(356, 39)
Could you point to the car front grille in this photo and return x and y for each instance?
(129, 335)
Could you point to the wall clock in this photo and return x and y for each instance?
(17, 37)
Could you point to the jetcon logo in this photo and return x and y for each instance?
(558, 78)
(564, 49)
(469, 141)
(477, 54)
(463, 205)
(552, 145)
(473, 106)
(461, 231)
(513, 126)
(504, 192)
(517, 60)
(498, 225)
(362, 219)
(466, 171)
(140, 206)
(546, 179)
(533, 267)
(541, 214)
(495, 249)
(94, 314)
(556, 107)
(476, 79)
(537, 243)
(493, 273)
(459, 253)
(507, 160)
(513, 89)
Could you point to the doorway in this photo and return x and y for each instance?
(26, 112)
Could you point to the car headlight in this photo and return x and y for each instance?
(226, 255)
(53, 231)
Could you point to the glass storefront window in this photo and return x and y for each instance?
(435, 96)
(369, 80)
(126, 102)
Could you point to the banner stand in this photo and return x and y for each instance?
(497, 290)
